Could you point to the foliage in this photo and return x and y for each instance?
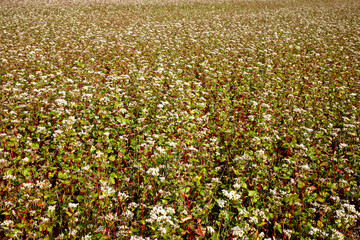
(179, 119)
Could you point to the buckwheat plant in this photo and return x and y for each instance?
(179, 119)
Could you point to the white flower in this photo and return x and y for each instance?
(85, 168)
(191, 148)
(338, 235)
(161, 150)
(123, 110)
(107, 191)
(99, 154)
(221, 202)
(162, 230)
(172, 144)
(232, 195)
(61, 102)
(9, 176)
(210, 229)
(122, 196)
(105, 99)
(52, 208)
(7, 223)
(41, 129)
(87, 237)
(288, 233)
(133, 205)
(260, 152)
(237, 186)
(305, 167)
(267, 117)
(215, 180)
(237, 231)
(314, 231)
(45, 219)
(73, 205)
(153, 171)
(128, 214)
(253, 219)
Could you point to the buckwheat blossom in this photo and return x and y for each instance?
(253, 220)
(153, 171)
(123, 110)
(217, 99)
(337, 235)
(133, 205)
(221, 202)
(232, 195)
(122, 196)
(8, 203)
(161, 150)
(162, 230)
(305, 167)
(45, 219)
(267, 117)
(128, 214)
(43, 184)
(216, 180)
(7, 223)
(52, 208)
(237, 186)
(243, 212)
(99, 229)
(73, 205)
(99, 154)
(139, 238)
(41, 130)
(160, 215)
(210, 230)
(288, 233)
(260, 152)
(106, 191)
(61, 102)
(85, 168)
(237, 231)
(9, 177)
(87, 237)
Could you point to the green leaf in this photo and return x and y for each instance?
(262, 224)
(319, 199)
(112, 180)
(83, 225)
(20, 225)
(26, 172)
(189, 217)
(278, 227)
(80, 198)
(69, 213)
(62, 175)
(252, 193)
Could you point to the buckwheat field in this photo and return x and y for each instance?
(180, 119)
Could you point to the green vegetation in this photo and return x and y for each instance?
(179, 119)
